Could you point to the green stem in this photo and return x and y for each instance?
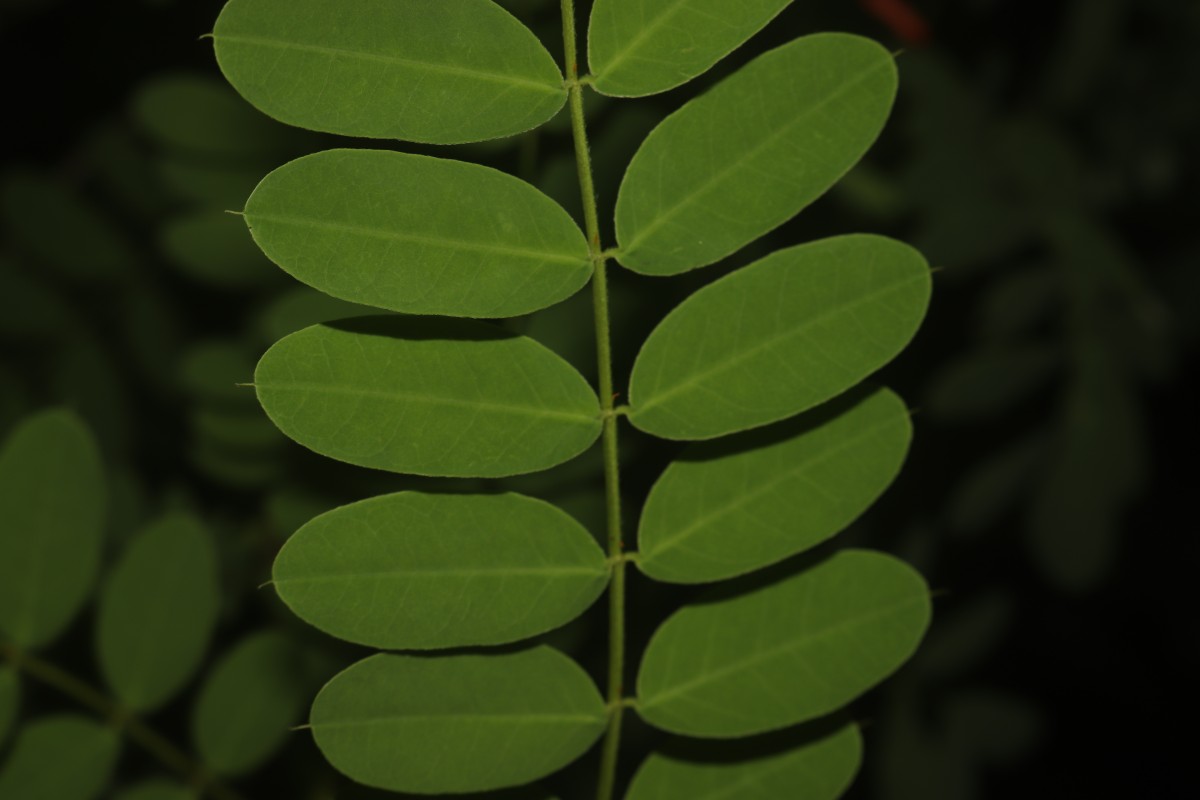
(133, 727)
(612, 486)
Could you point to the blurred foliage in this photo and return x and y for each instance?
(1042, 155)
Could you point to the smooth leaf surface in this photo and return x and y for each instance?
(53, 503)
(65, 757)
(720, 511)
(785, 653)
(248, 703)
(157, 612)
(419, 571)
(748, 155)
(10, 700)
(778, 337)
(640, 47)
(437, 397)
(418, 234)
(820, 770)
(460, 723)
(444, 73)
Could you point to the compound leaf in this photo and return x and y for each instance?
(248, 704)
(715, 513)
(640, 47)
(64, 757)
(157, 612)
(819, 770)
(429, 396)
(53, 504)
(747, 156)
(459, 723)
(778, 337)
(418, 234)
(739, 666)
(420, 571)
(446, 72)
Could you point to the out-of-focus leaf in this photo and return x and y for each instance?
(457, 723)
(819, 770)
(988, 382)
(641, 47)
(157, 612)
(739, 666)
(723, 510)
(213, 247)
(10, 700)
(29, 307)
(247, 430)
(778, 337)
(470, 401)
(447, 72)
(248, 704)
(217, 371)
(53, 225)
(1013, 305)
(223, 187)
(412, 571)
(86, 378)
(987, 490)
(156, 789)
(418, 234)
(65, 757)
(965, 636)
(748, 155)
(52, 502)
(992, 726)
(199, 114)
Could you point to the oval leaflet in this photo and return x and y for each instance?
(419, 571)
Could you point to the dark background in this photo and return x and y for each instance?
(1041, 155)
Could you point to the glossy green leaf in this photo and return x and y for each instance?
(157, 612)
(439, 397)
(418, 234)
(10, 700)
(778, 337)
(820, 770)
(640, 47)
(214, 247)
(65, 757)
(53, 503)
(249, 703)
(201, 115)
(784, 653)
(727, 508)
(156, 789)
(447, 72)
(748, 155)
(462, 723)
(419, 571)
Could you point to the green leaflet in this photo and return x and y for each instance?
(10, 700)
(640, 47)
(429, 396)
(724, 509)
(458, 724)
(418, 234)
(157, 612)
(745, 157)
(52, 501)
(213, 247)
(446, 72)
(778, 337)
(248, 704)
(788, 652)
(156, 789)
(420, 571)
(64, 757)
(819, 770)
